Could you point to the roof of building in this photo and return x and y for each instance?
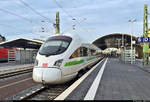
(114, 40)
(22, 43)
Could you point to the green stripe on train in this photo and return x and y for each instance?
(74, 63)
(91, 58)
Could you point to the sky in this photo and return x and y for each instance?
(93, 18)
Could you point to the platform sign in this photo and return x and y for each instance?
(140, 39)
(146, 39)
(143, 39)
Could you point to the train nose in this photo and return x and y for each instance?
(37, 75)
(47, 75)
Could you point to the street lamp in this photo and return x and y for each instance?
(131, 21)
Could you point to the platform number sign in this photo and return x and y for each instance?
(140, 39)
(146, 39)
(143, 39)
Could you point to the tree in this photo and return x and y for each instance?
(2, 38)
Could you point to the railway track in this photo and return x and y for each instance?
(48, 92)
(14, 73)
(14, 85)
(24, 88)
(52, 91)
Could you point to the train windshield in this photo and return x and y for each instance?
(54, 46)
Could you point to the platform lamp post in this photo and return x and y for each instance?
(132, 21)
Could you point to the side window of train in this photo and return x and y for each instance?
(76, 53)
(92, 52)
(80, 52)
(84, 51)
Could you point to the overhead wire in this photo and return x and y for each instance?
(14, 14)
(73, 18)
(35, 11)
(13, 27)
(22, 17)
(63, 9)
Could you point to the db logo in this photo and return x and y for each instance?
(45, 65)
(146, 39)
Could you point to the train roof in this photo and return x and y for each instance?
(76, 36)
(23, 43)
(73, 36)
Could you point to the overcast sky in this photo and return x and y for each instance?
(97, 17)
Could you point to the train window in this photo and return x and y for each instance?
(53, 47)
(76, 53)
(64, 44)
(85, 51)
(92, 52)
(80, 52)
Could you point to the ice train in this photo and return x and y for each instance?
(61, 57)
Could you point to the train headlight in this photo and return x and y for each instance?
(58, 63)
(36, 63)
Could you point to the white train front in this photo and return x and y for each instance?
(61, 57)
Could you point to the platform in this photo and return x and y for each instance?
(13, 67)
(119, 81)
(139, 63)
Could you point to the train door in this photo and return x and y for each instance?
(73, 64)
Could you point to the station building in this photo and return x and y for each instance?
(117, 41)
(21, 50)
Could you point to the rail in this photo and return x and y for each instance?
(52, 91)
(12, 72)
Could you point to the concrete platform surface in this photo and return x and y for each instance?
(119, 82)
(12, 68)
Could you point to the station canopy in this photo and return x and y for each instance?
(92, 46)
(22, 43)
(115, 40)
